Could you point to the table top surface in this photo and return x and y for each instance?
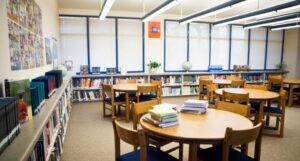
(254, 94)
(208, 127)
(129, 86)
(291, 81)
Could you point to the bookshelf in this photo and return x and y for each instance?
(173, 84)
(47, 129)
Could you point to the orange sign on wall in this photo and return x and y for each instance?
(154, 29)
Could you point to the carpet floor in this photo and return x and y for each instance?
(90, 136)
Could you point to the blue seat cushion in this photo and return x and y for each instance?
(117, 99)
(255, 104)
(253, 111)
(273, 110)
(215, 154)
(212, 102)
(153, 154)
(275, 89)
(131, 94)
(204, 92)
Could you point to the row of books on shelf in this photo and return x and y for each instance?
(50, 145)
(87, 83)
(87, 95)
(190, 90)
(253, 77)
(171, 91)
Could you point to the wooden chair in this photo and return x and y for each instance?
(110, 99)
(137, 138)
(243, 110)
(204, 77)
(225, 152)
(238, 83)
(241, 98)
(126, 81)
(159, 93)
(203, 87)
(278, 112)
(147, 92)
(142, 108)
(211, 94)
(275, 83)
(233, 77)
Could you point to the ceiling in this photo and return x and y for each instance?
(188, 6)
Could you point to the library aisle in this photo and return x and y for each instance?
(90, 136)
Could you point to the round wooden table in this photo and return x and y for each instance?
(208, 128)
(128, 88)
(254, 95)
(291, 83)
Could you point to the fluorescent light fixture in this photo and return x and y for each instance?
(242, 3)
(286, 26)
(106, 8)
(259, 13)
(160, 9)
(288, 9)
(273, 21)
(214, 10)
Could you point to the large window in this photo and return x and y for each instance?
(199, 45)
(73, 39)
(239, 46)
(175, 45)
(258, 48)
(130, 45)
(220, 46)
(102, 43)
(274, 48)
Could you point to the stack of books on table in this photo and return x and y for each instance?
(162, 117)
(194, 106)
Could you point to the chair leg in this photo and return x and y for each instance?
(281, 126)
(277, 122)
(119, 110)
(104, 112)
(267, 120)
(180, 151)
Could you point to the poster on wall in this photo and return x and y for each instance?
(25, 57)
(14, 45)
(29, 15)
(49, 58)
(23, 13)
(39, 51)
(13, 10)
(54, 52)
(31, 50)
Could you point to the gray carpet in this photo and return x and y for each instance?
(90, 136)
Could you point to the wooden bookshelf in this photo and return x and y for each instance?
(178, 82)
(23, 145)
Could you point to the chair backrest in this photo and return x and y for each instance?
(211, 91)
(256, 86)
(233, 77)
(203, 83)
(238, 83)
(282, 100)
(126, 81)
(159, 85)
(242, 98)
(205, 77)
(108, 91)
(141, 108)
(275, 80)
(137, 138)
(240, 109)
(242, 137)
(142, 89)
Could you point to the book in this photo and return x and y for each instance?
(165, 112)
(165, 120)
(160, 124)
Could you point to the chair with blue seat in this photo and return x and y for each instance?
(240, 109)
(127, 81)
(110, 101)
(226, 152)
(137, 138)
(147, 92)
(238, 83)
(256, 104)
(211, 88)
(203, 87)
(159, 93)
(275, 83)
(277, 112)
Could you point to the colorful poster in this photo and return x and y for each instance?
(29, 15)
(54, 52)
(39, 52)
(23, 13)
(25, 56)
(31, 52)
(49, 58)
(14, 45)
(13, 10)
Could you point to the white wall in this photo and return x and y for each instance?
(50, 29)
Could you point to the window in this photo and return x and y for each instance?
(130, 45)
(175, 45)
(274, 48)
(257, 48)
(220, 46)
(239, 46)
(102, 43)
(73, 39)
(199, 45)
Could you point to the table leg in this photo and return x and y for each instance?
(127, 106)
(193, 151)
(260, 114)
(291, 93)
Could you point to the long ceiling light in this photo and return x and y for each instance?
(274, 21)
(160, 9)
(258, 13)
(105, 9)
(214, 10)
(285, 26)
